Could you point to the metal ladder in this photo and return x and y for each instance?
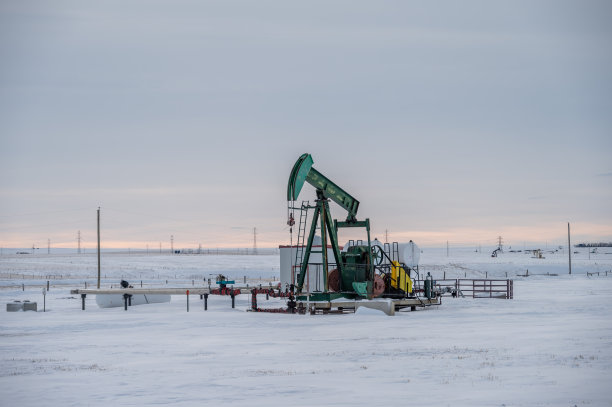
(299, 252)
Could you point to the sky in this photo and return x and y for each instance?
(448, 121)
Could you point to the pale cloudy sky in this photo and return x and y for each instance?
(454, 121)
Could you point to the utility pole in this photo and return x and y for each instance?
(48, 246)
(159, 247)
(499, 244)
(447, 248)
(147, 249)
(171, 244)
(79, 241)
(386, 236)
(98, 247)
(569, 248)
(200, 248)
(254, 240)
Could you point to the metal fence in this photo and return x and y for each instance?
(474, 288)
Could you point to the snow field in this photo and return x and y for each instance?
(550, 346)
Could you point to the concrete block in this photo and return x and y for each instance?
(29, 306)
(14, 306)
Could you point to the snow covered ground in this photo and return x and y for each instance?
(549, 346)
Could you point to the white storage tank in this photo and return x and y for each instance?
(288, 270)
(409, 254)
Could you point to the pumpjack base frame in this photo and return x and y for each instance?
(388, 306)
(325, 296)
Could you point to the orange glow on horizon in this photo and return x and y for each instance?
(553, 233)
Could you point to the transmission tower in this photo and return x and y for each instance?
(386, 236)
(48, 246)
(499, 244)
(79, 241)
(254, 240)
(172, 244)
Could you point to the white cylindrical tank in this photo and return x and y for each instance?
(409, 254)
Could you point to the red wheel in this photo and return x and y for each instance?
(379, 286)
(333, 280)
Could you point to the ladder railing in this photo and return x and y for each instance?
(299, 252)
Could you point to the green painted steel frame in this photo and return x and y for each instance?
(303, 171)
(300, 170)
(334, 192)
(361, 224)
(322, 215)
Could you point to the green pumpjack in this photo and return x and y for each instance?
(354, 266)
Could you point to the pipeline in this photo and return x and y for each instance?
(289, 310)
(270, 292)
(225, 291)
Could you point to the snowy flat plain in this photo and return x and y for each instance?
(549, 346)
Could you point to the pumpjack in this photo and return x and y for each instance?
(360, 270)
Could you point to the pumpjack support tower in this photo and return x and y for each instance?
(354, 270)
